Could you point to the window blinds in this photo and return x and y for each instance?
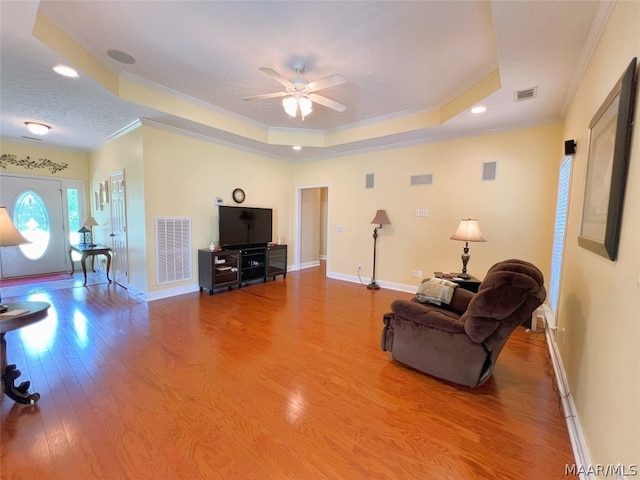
(559, 232)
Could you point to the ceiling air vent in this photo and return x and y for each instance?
(528, 94)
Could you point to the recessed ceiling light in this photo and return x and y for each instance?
(479, 109)
(121, 57)
(297, 147)
(37, 128)
(65, 71)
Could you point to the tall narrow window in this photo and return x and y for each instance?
(564, 183)
(32, 220)
(73, 210)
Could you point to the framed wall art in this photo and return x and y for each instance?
(607, 166)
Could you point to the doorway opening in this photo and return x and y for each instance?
(312, 234)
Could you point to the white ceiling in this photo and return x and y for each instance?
(399, 58)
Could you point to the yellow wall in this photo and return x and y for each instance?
(516, 211)
(600, 300)
(184, 175)
(124, 153)
(310, 226)
(172, 175)
(77, 163)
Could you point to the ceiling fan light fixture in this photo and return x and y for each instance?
(305, 106)
(37, 128)
(290, 105)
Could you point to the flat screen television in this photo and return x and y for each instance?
(244, 226)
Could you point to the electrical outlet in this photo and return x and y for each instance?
(416, 273)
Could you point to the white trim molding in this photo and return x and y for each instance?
(583, 463)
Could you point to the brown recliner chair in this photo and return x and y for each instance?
(460, 342)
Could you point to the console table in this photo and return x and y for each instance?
(90, 251)
(18, 315)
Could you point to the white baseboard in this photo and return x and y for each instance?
(578, 442)
(314, 263)
(171, 292)
(365, 281)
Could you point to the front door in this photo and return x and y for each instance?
(35, 206)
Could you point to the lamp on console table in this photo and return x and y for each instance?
(380, 219)
(88, 224)
(468, 231)
(9, 237)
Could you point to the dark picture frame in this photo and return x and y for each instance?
(607, 166)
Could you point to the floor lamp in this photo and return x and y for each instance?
(9, 237)
(468, 231)
(380, 219)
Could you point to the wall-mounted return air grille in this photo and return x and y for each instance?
(368, 183)
(173, 249)
(489, 171)
(421, 179)
(528, 94)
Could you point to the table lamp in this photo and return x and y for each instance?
(468, 231)
(9, 237)
(88, 224)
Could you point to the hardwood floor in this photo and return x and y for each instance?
(278, 380)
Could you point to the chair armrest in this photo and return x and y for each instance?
(428, 315)
(460, 300)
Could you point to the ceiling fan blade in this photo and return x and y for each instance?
(327, 102)
(326, 82)
(265, 96)
(276, 76)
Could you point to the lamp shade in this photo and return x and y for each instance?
(381, 218)
(468, 231)
(305, 106)
(90, 222)
(290, 105)
(9, 234)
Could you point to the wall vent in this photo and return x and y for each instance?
(528, 94)
(368, 183)
(489, 171)
(421, 179)
(173, 250)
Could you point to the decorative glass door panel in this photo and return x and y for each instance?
(31, 217)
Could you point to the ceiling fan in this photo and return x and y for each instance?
(299, 94)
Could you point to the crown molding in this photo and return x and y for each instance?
(189, 99)
(208, 138)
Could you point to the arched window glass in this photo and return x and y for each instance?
(31, 217)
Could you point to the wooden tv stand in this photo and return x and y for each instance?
(234, 267)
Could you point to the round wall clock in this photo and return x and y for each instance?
(238, 195)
